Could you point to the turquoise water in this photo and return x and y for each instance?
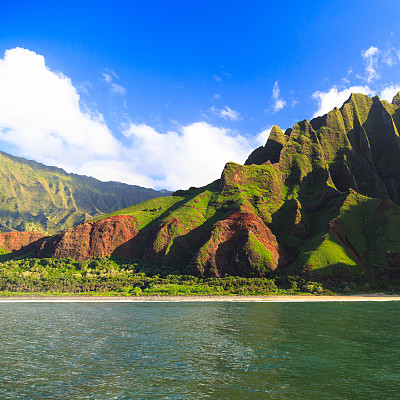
(200, 350)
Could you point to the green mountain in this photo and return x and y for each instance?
(321, 199)
(34, 196)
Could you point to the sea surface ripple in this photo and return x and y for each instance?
(200, 350)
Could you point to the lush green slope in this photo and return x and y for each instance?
(320, 199)
(108, 277)
(34, 196)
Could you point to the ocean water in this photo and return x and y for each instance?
(204, 350)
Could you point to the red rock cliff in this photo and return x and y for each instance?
(240, 244)
(101, 238)
(11, 241)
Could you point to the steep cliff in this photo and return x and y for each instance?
(12, 241)
(108, 236)
(320, 199)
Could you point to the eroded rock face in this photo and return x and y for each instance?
(240, 244)
(328, 189)
(12, 241)
(109, 236)
(167, 244)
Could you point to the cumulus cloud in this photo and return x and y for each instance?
(262, 137)
(279, 102)
(226, 113)
(194, 154)
(335, 98)
(41, 114)
(42, 117)
(327, 101)
(370, 57)
(374, 58)
(389, 92)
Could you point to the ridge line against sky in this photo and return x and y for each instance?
(67, 100)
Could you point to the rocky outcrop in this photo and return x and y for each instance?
(108, 236)
(240, 244)
(12, 241)
(272, 149)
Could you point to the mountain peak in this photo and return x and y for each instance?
(396, 99)
(321, 200)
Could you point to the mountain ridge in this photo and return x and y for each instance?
(34, 196)
(320, 199)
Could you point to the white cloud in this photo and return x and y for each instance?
(262, 137)
(41, 115)
(107, 77)
(388, 57)
(327, 101)
(389, 92)
(279, 102)
(193, 155)
(370, 57)
(276, 92)
(226, 113)
(223, 76)
(217, 96)
(118, 89)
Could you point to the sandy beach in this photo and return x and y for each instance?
(140, 299)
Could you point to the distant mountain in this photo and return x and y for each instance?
(321, 199)
(34, 196)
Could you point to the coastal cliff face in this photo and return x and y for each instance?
(12, 241)
(321, 199)
(109, 236)
(239, 244)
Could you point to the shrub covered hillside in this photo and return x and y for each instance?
(114, 276)
(320, 199)
(34, 196)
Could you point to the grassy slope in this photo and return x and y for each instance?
(333, 154)
(322, 165)
(193, 215)
(37, 197)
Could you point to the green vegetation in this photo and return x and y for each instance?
(149, 210)
(325, 255)
(105, 276)
(34, 196)
(320, 201)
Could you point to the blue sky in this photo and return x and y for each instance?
(164, 93)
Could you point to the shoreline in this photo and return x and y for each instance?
(200, 298)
